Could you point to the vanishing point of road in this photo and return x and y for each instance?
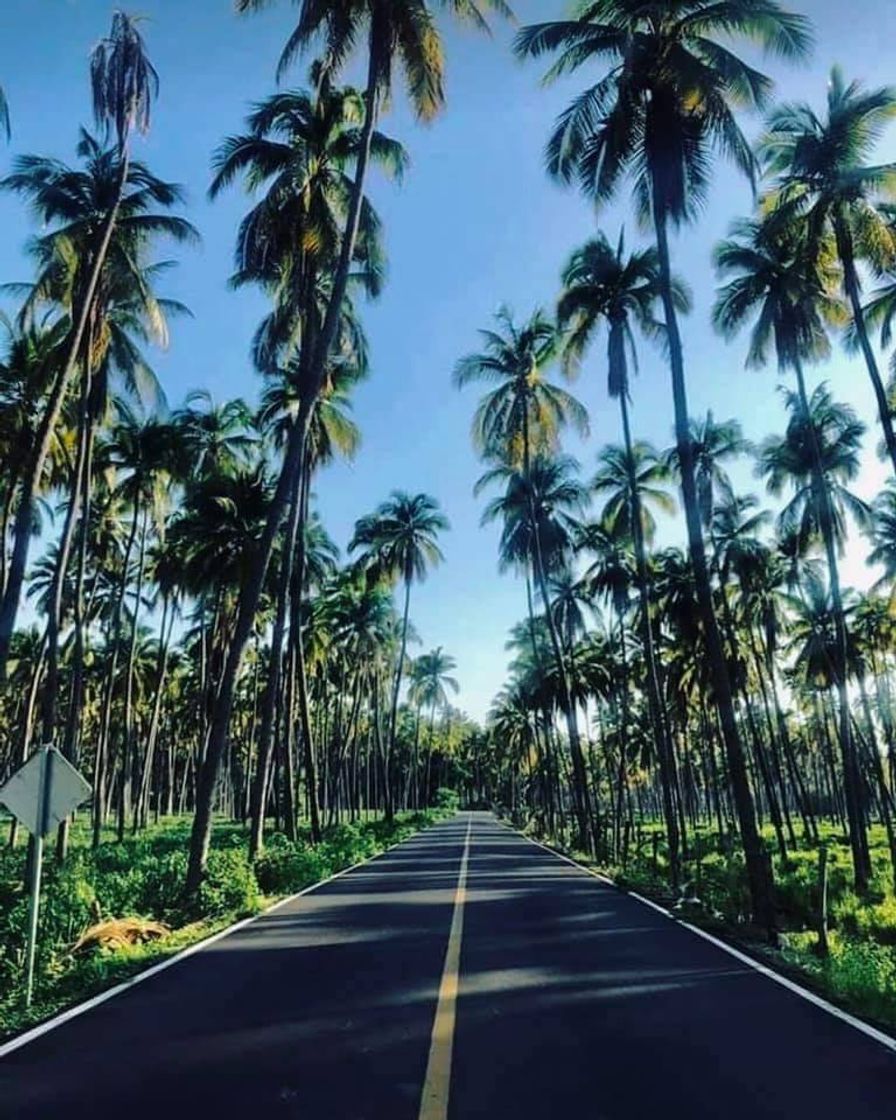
(465, 974)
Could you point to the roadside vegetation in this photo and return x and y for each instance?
(245, 699)
(701, 719)
(115, 909)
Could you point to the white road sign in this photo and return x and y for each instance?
(61, 792)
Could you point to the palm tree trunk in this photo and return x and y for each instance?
(297, 629)
(57, 587)
(70, 745)
(169, 613)
(393, 715)
(758, 868)
(128, 760)
(102, 755)
(854, 295)
(272, 690)
(658, 720)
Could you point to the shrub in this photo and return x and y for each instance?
(287, 868)
(447, 799)
(229, 886)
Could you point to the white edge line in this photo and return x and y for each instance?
(21, 1040)
(770, 974)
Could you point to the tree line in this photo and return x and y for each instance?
(736, 680)
(198, 644)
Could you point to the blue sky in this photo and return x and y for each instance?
(476, 224)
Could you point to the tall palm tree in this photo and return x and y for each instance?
(400, 542)
(668, 101)
(301, 147)
(303, 239)
(538, 513)
(817, 456)
(630, 478)
(432, 683)
(213, 439)
(781, 283)
(402, 31)
(124, 86)
(715, 443)
(883, 532)
(524, 413)
(824, 179)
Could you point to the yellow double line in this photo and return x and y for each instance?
(437, 1083)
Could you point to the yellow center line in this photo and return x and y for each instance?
(437, 1084)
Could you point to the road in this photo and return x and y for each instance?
(533, 991)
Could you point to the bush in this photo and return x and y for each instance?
(230, 886)
(287, 868)
(447, 800)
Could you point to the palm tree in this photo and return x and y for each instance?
(631, 480)
(303, 240)
(524, 413)
(124, 86)
(780, 282)
(669, 100)
(399, 542)
(402, 31)
(883, 532)
(538, 509)
(301, 147)
(213, 439)
(431, 685)
(140, 450)
(824, 180)
(817, 456)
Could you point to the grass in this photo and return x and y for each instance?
(859, 973)
(142, 878)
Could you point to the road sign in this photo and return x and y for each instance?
(64, 790)
(41, 795)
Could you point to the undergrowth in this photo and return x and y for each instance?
(143, 877)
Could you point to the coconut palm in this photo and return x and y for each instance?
(538, 513)
(817, 456)
(124, 86)
(301, 148)
(431, 685)
(669, 100)
(630, 479)
(76, 204)
(781, 284)
(823, 178)
(214, 439)
(400, 542)
(883, 533)
(523, 415)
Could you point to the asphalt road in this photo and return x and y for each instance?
(574, 1000)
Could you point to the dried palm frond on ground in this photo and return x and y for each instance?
(116, 933)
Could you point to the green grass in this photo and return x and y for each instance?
(143, 877)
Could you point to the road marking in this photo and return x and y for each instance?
(21, 1040)
(804, 993)
(437, 1083)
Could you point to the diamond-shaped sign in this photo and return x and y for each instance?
(44, 791)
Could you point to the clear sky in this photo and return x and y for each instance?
(476, 223)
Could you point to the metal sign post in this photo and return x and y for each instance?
(41, 795)
(44, 788)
